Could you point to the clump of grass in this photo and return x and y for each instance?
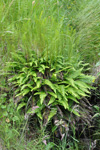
(36, 27)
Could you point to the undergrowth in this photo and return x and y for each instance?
(42, 76)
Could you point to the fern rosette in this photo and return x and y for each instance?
(47, 89)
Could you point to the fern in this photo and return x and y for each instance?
(54, 88)
(42, 96)
(52, 113)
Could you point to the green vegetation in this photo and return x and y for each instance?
(47, 98)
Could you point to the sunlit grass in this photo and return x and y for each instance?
(87, 23)
(36, 27)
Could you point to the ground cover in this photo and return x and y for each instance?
(47, 99)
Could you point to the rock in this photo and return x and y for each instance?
(95, 72)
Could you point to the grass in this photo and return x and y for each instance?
(12, 139)
(50, 28)
(38, 27)
(69, 28)
(87, 23)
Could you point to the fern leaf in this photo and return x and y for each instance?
(72, 83)
(21, 105)
(52, 99)
(25, 91)
(75, 73)
(72, 91)
(39, 115)
(42, 96)
(72, 98)
(82, 85)
(38, 85)
(75, 111)
(52, 94)
(62, 90)
(26, 85)
(64, 104)
(31, 73)
(50, 84)
(81, 93)
(52, 113)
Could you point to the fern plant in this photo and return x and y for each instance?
(49, 90)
